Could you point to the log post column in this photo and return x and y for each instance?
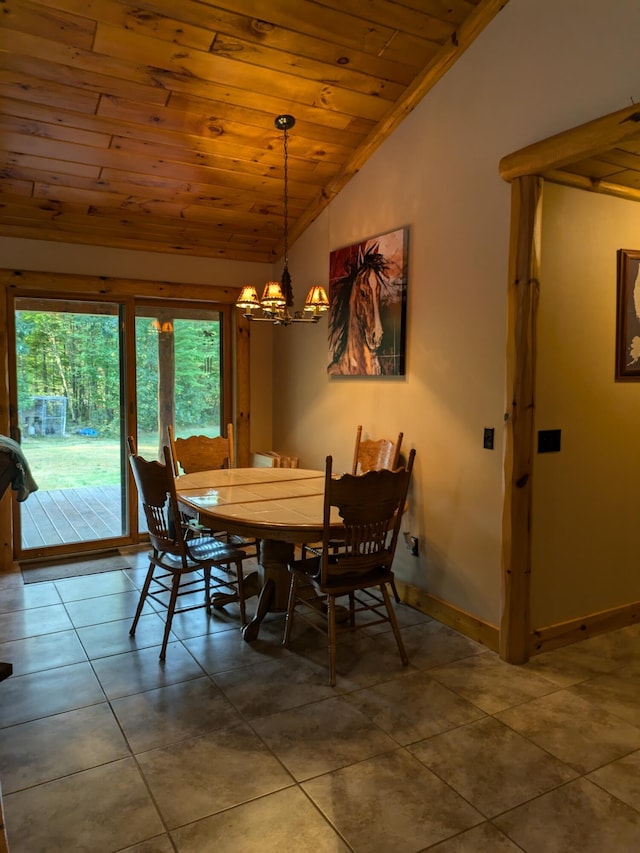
(524, 267)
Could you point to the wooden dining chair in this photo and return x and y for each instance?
(370, 454)
(371, 506)
(214, 565)
(373, 454)
(202, 452)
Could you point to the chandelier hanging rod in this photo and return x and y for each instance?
(277, 297)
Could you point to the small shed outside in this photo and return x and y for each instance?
(46, 416)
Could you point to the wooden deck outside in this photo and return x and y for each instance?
(65, 516)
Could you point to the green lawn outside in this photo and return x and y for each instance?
(65, 462)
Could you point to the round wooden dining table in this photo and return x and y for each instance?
(281, 507)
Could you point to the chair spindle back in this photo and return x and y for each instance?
(371, 507)
(156, 487)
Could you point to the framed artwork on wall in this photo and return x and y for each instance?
(628, 316)
(367, 306)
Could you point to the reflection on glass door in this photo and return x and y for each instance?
(70, 403)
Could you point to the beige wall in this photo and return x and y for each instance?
(539, 68)
(586, 535)
(78, 259)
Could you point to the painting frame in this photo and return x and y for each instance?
(367, 324)
(628, 316)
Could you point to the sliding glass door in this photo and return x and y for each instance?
(86, 375)
(70, 405)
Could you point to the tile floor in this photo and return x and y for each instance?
(241, 747)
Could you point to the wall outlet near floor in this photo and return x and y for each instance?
(412, 543)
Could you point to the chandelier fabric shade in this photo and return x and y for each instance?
(272, 295)
(317, 299)
(248, 298)
(277, 297)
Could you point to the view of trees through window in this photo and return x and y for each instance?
(68, 373)
(196, 378)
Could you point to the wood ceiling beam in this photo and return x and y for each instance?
(573, 145)
(581, 182)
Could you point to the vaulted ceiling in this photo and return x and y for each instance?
(150, 125)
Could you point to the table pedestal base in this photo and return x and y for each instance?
(274, 595)
(271, 585)
(252, 586)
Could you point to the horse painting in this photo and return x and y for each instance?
(358, 298)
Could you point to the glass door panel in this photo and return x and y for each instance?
(179, 377)
(69, 390)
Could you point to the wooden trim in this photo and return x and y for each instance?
(466, 624)
(116, 287)
(131, 417)
(580, 182)
(6, 540)
(573, 145)
(566, 633)
(242, 391)
(4, 362)
(228, 313)
(522, 304)
(6, 547)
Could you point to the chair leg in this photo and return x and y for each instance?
(207, 588)
(170, 609)
(143, 597)
(395, 591)
(331, 627)
(291, 604)
(394, 624)
(240, 576)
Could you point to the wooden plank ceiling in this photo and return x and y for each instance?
(150, 125)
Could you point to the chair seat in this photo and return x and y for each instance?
(339, 582)
(195, 530)
(208, 549)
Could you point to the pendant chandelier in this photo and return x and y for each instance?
(277, 297)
